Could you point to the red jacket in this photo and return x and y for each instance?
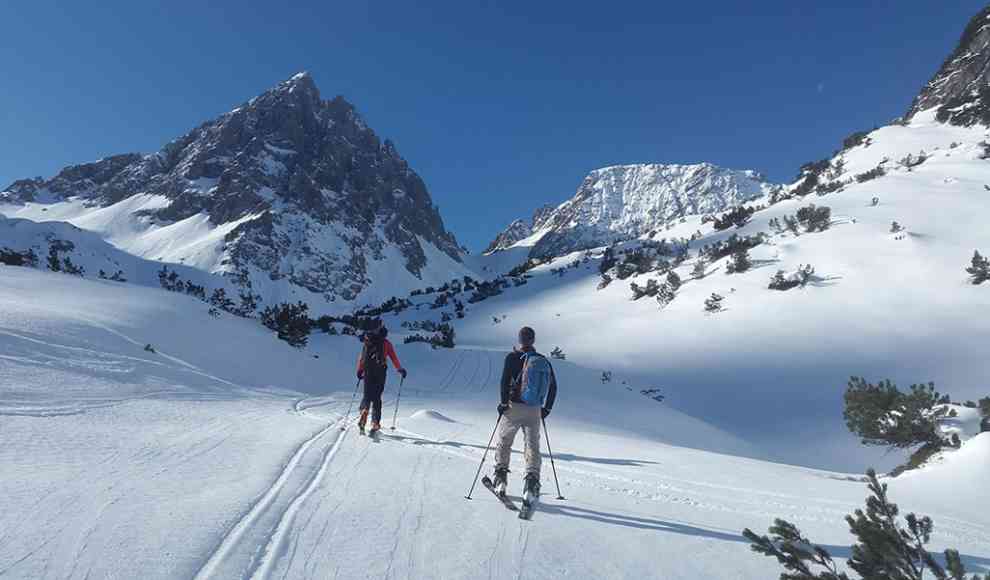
(389, 352)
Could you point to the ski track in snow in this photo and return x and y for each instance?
(257, 540)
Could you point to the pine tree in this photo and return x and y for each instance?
(220, 300)
(54, 264)
(881, 414)
(700, 268)
(885, 549)
(740, 262)
(290, 321)
(979, 269)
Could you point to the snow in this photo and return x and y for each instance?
(882, 306)
(220, 455)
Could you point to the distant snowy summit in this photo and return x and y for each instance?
(629, 201)
(960, 90)
(295, 193)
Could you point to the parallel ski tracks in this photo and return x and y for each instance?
(253, 546)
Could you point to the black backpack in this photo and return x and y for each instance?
(373, 356)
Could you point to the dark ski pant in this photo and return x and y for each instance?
(373, 399)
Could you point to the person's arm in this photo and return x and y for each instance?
(360, 365)
(552, 393)
(390, 353)
(506, 378)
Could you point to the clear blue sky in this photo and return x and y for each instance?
(500, 106)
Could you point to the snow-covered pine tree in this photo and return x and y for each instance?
(881, 414)
(885, 549)
(979, 269)
(714, 303)
(700, 268)
(740, 262)
(780, 282)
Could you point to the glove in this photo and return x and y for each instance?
(360, 375)
(502, 408)
(403, 373)
(545, 412)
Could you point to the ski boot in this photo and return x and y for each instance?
(531, 488)
(501, 480)
(362, 420)
(375, 427)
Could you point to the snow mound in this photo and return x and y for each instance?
(432, 415)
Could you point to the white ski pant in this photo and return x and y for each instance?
(525, 417)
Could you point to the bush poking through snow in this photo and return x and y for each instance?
(737, 217)
(896, 228)
(870, 175)
(885, 548)
(739, 263)
(651, 289)
(700, 268)
(13, 258)
(558, 354)
(781, 281)
(814, 218)
(713, 303)
(290, 321)
(979, 269)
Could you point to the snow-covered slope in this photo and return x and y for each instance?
(628, 201)
(219, 456)
(287, 196)
(772, 367)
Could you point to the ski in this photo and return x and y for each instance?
(528, 507)
(487, 482)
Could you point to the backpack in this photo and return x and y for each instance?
(373, 356)
(534, 379)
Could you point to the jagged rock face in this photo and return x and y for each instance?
(629, 201)
(520, 230)
(517, 230)
(961, 88)
(316, 192)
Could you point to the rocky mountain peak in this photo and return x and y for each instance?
(317, 196)
(628, 201)
(960, 90)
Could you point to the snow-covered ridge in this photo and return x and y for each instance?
(629, 201)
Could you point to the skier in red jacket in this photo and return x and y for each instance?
(372, 367)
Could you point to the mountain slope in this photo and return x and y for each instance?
(628, 201)
(881, 303)
(285, 194)
(219, 455)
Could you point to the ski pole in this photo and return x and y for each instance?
(552, 464)
(343, 426)
(397, 397)
(483, 458)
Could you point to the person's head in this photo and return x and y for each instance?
(527, 337)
